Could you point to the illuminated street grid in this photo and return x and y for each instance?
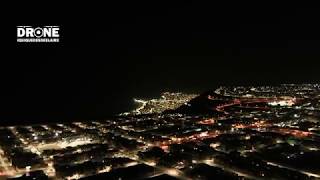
(242, 133)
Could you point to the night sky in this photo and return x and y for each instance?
(110, 53)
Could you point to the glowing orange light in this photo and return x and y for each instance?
(207, 121)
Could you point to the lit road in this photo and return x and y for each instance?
(212, 163)
(143, 105)
(294, 169)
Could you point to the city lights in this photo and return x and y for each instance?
(234, 132)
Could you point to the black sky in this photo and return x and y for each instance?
(110, 53)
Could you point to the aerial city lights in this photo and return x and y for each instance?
(270, 132)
